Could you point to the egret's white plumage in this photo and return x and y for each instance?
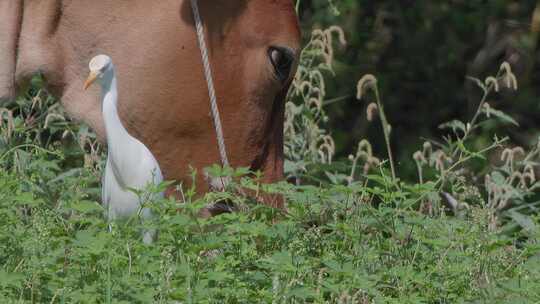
(130, 164)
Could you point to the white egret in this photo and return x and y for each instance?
(130, 164)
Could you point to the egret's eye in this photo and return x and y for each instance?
(282, 60)
(102, 71)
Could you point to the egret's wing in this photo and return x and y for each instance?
(150, 164)
(134, 165)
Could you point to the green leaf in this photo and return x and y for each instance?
(180, 220)
(454, 125)
(501, 115)
(218, 276)
(86, 207)
(27, 199)
(10, 279)
(302, 293)
(522, 220)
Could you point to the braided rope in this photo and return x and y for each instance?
(210, 82)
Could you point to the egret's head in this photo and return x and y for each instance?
(99, 67)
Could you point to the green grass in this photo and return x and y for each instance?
(336, 244)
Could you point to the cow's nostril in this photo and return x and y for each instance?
(282, 60)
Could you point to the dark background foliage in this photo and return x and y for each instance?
(421, 52)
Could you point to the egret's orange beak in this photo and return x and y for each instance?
(91, 79)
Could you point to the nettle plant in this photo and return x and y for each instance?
(308, 146)
(446, 180)
(510, 187)
(35, 121)
(306, 140)
(452, 184)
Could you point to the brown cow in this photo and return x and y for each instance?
(253, 45)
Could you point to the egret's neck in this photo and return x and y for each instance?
(116, 132)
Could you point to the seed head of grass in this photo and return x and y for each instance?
(367, 82)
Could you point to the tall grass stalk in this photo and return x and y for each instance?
(366, 83)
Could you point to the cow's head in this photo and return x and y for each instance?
(254, 53)
(254, 47)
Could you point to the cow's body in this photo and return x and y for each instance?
(163, 95)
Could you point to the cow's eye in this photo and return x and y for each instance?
(282, 60)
